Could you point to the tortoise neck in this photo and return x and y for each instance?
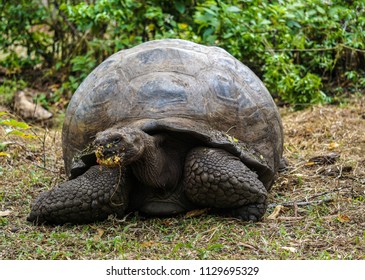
(157, 167)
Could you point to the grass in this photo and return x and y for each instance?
(330, 226)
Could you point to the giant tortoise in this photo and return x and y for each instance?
(163, 128)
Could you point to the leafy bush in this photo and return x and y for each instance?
(7, 90)
(292, 82)
(301, 49)
(293, 45)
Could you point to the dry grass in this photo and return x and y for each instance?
(330, 226)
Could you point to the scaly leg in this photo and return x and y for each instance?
(215, 178)
(92, 196)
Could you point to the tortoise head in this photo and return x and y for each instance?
(119, 146)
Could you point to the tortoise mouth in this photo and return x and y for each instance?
(108, 157)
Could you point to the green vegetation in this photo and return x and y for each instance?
(7, 90)
(12, 127)
(305, 51)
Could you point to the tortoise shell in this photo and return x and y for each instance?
(177, 85)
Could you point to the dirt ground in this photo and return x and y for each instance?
(317, 206)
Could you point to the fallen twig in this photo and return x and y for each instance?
(45, 168)
(288, 219)
(307, 201)
(12, 143)
(300, 203)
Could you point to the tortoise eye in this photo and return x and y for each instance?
(116, 140)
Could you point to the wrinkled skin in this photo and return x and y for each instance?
(158, 174)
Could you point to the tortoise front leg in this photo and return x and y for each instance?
(216, 178)
(92, 196)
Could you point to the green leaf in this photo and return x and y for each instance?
(3, 113)
(233, 9)
(180, 7)
(321, 10)
(3, 145)
(21, 134)
(14, 123)
(209, 11)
